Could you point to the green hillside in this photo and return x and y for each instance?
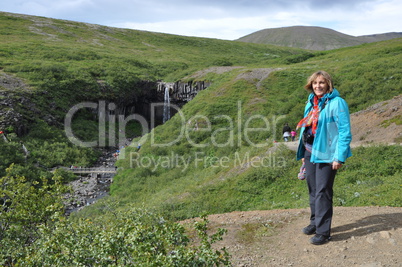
(215, 155)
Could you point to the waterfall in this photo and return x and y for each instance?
(25, 150)
(166, 106)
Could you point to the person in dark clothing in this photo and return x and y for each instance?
(286, 132)
(286, 128)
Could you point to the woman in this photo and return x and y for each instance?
(324, 146)
(293, 134)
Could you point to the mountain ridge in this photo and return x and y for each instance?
(313, 37)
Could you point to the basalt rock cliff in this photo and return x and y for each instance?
(18, 111)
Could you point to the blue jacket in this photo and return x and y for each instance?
(333, 135)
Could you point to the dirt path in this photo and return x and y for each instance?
(361, 236)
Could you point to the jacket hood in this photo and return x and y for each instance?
(326, 97)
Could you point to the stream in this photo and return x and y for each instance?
(89, 188)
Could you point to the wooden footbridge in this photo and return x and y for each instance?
(97, 170)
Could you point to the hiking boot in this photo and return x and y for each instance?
(319, 239)
(309, 230)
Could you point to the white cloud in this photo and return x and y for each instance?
(382, 17)
(221, 19)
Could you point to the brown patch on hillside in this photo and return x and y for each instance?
(377, 124)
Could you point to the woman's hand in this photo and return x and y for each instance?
(336, 165)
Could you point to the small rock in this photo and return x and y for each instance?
(370, 239)
(385, 234)
(392, 241)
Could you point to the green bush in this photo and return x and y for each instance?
(10, 153)
(135, 237)
(298, 58)
(28, 206)
(34, 232)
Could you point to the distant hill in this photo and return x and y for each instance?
(312, 38)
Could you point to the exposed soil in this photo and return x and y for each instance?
(361, 236)
(375, 124)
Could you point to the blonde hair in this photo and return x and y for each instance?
(314, 76)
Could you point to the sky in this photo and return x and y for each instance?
(221, 19)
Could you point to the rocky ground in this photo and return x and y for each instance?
(87, 189)
(361, 236)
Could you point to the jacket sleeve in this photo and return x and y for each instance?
(300, 149)
(342, 151)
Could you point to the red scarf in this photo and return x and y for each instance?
(312, 117)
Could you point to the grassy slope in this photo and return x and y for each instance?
(85, 45)
(53, 55)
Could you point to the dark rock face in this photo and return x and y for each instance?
(10, 119)
(17, 109)
(149, 103)
(180, 91)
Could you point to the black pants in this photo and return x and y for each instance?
(320, 180)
